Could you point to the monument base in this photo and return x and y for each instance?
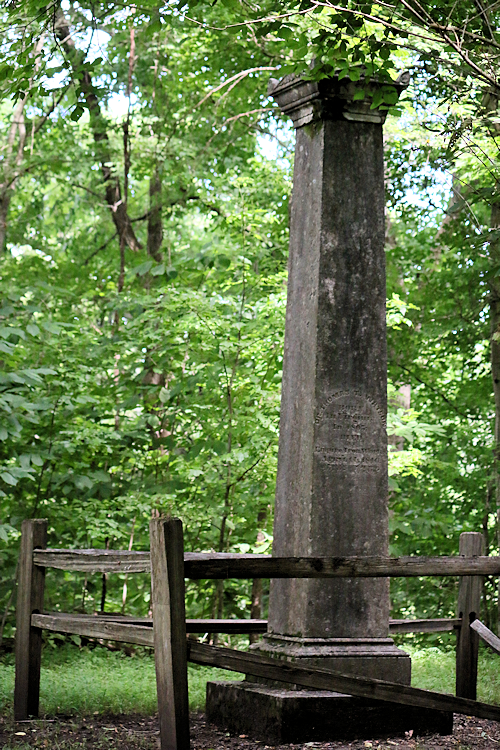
(280, 716)
(379, 658)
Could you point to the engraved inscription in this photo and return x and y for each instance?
(350, 433)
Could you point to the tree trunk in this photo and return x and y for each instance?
(11, 165)
(98, 127)
(155, 226)
(5, 197)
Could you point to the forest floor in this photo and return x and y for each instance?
(133, 732)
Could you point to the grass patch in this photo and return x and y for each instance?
(81, 682)
(433, 669)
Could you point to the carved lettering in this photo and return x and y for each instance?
(350, 433)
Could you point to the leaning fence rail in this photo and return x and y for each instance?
(167, 630)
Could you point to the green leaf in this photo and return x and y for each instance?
(83, 482)
(12, 331)
(8, 478)
(52, 327)
(143, 268)
(158, 270)
(77, 113)
(165, 395)
(223, 261)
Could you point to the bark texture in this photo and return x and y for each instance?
(155, 224)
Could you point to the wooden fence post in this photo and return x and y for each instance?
(169, 629)
(30, 590)
(469, 602)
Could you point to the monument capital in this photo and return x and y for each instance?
(332, 98)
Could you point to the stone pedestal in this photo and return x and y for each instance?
(331, 491)
(279, 716)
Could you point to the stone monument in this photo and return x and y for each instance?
(331, 491)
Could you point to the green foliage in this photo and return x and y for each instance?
(140, 382)
(144, 377)
(162, 398)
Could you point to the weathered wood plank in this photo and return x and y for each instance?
(321, 679)
(486, 635)
(424, 626)
(169, 631)
(94, 627)
(107, 617)
(226, 626)
(469, 602)
(52, 621)
(94, 560)
(30, 590)
(246, 626)
(260, 626)
(63, 623)
(223, 565)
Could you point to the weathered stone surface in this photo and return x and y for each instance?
(286, 716)
(367, 657)
(331, 98)
(331, 491)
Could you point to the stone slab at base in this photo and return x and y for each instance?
(379, 658)
(280, 716)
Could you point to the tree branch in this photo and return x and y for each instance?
(437, 391)
(85, 262)
(98, 127)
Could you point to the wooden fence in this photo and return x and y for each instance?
(167, 631)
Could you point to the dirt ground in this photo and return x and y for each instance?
(130, 732)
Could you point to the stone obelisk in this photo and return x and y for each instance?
(331, 491)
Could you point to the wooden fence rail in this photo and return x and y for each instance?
(62, 623)
(225, 565)
(166, 632)
(264, 566)
(486, 635)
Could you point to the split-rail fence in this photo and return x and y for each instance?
(167, 631)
